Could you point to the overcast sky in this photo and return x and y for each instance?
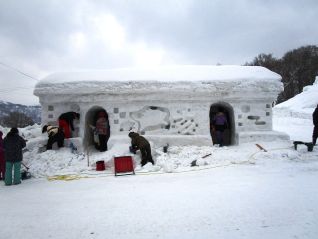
(38, 37)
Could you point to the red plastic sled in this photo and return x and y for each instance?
(123, 165)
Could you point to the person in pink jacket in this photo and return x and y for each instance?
(102, 128)
(2, 161)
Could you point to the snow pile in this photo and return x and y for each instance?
(178, 158)
(294, 116)
(300, 106)
(64, 161)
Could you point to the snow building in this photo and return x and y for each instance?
(168, 104)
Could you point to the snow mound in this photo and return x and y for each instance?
(300, 106)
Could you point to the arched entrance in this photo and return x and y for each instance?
(90, 120)
(229, 133)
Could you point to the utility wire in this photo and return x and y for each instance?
(17, 70)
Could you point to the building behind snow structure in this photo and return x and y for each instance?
(168, 104)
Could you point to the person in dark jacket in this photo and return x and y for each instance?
(13, 144)
(315, 122)
(140, 143)
(219, 124)
(66, 122)
(55, 134)
(2, 161)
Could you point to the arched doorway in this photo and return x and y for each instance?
(90, 120)
(229, 133)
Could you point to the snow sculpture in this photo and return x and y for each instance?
(170, 105)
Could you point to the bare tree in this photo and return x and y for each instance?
(17, 119)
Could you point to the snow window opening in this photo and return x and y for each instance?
(260, 122)
(253, 117)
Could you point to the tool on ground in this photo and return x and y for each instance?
(25, 174)
(261, 147)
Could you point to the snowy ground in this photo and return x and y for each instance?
(236, 192)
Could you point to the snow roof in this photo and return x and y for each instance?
(172, 77)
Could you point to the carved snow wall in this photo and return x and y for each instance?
(167, 105)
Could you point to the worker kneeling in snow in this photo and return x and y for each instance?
(55, 135)
(139, 142)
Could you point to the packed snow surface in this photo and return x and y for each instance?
(232, 192)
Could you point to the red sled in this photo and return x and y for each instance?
(123, 165)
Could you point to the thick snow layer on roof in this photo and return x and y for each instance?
(171, 77)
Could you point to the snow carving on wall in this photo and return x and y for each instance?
(184, 122)
(151, 118)
(160, 119)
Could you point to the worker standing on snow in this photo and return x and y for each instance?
(2, 161)
(140, 143)
(102, 128)
(66, 122)
(315, 122)
(13, 144)
(219, 124)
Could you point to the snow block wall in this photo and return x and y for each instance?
(171, 105)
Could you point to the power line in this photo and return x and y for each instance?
(18, 71)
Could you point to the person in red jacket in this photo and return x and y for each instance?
(2, 161)
(66, 122)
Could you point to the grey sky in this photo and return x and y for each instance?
(39, 37)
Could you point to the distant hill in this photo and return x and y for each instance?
(34, 112)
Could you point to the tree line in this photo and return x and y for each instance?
(16, 119)
(298, 68)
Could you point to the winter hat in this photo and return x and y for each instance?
(44, 129)
(14, 130)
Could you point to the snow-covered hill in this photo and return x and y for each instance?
(34, 112)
